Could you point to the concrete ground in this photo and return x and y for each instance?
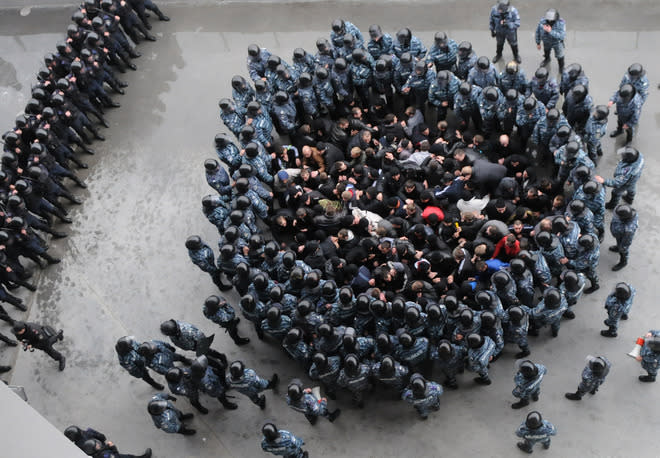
(125, 268)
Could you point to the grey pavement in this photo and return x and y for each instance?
(125, 268)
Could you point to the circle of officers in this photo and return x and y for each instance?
(377, 248)
(43, 147)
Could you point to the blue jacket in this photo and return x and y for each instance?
(380, 47)
(286, 445)
(443, 58)
(511, 20)
(526, 388)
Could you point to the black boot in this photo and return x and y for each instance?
(498, 53)
(629, 135)
(569, 314)
(612, 203)
(187, 432)
(146, 454)
(608, 333)
(523, 353)
(623, 262)
(524, 447)
(628, 198)
(233, 333)
(483, 380)
(516, 55)
(520, 404)
(4, 369)
(273, 382)
(594, 287)
(546, 58)
(160, 15)
(334, 415)
(226, 403)
(573, 396)
(617, 132)
(647, 378)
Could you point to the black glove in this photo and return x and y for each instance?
(492, 33)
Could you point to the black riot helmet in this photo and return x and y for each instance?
(375, 31)
(329, 290)
(124, 345)
(271, 249)
(636, 70)
(260, 281)
(500, 279)
(349, 339)
(325, 330)
(491, 94)
(270, 432)
(552, 115)
(381, 66)
(451, 303)
(517, 266)
(236, 217)
(629, 154)
(444, 76)
(248, 302)
(516, 314)
(528, 369)
(583, 172)
(323, 45)
(571, 281)
(63, 84)
(466, 318)
(552, 297)
(338, 26)
(260, 86)
(534, 420)
(406, 340)
(574, 71)
(349, 40)
(39, 94)
(387, 366)
(238, 83)
(474, 340)
(464, 48)
(564, 132)
(359, 55)
(530, 103)
(627, 92)
(544, 239)
(406, 58)
(320, 360)
(434, 312)
(412, 316)
(559, 225)
(273, 61)
(312, 280)
(194, 242)
(299, 53)
(322, 73)
(253, 108)
(572, 149)
(579, 92)
(465, 88)
(33, 107)
(236, 369)
(404, 35)
(597, 366)
(305, 79)
(304, 307)
(379, 308)
(420, 68)
(73, 433)
(243, 203)
(212, 304)
(293, 336)
(541, 74)
(169, 328)
(601, 112)
(625, 212)
(225, 104)
(591, 187)
(653, 343)
(502, 6)
(253, 50)
(211, 164)
(295, 389)
(351, 365)
(273, 315)
(227, 252)
(488, 319)
(281, 97)
(483, 63)
(440, 39)
(587, 241)
(289, 259)
(147, 349)
(484, 299)
(576, 206)
(622, 291)
(418, 385)
(445, 350)
(340, 63)
(345, 295)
